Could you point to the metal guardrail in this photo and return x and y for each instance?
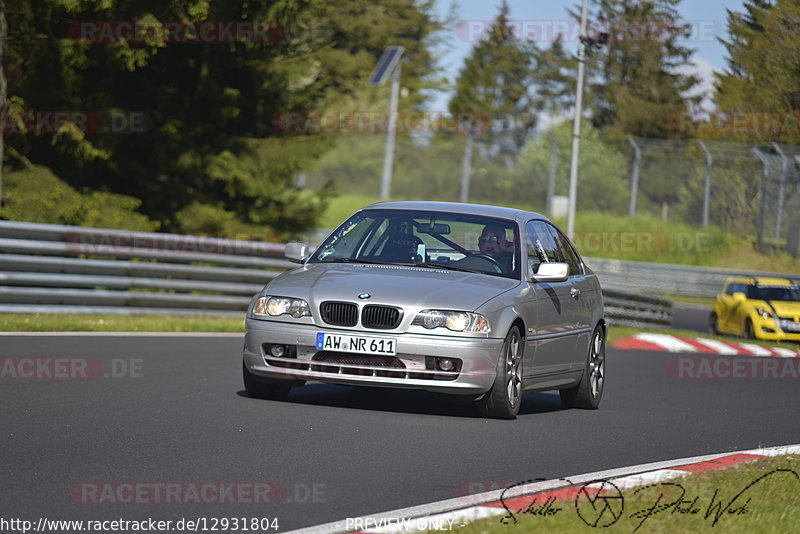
(69, 269)
(47, 268)
(626, 308)
(669, 279)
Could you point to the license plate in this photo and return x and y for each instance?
(356, 344)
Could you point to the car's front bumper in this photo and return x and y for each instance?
(768, 331)
(476, 376)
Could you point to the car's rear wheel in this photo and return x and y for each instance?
(589, 391)
(713, 324)
(261, 388)
(505, 397)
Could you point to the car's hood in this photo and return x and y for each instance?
(786, 308)
(390, 284)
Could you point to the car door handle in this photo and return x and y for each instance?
(575, 292)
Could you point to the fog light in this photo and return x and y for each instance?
(278, 350)
(446, 364)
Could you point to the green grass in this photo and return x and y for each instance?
(619, 332)
(13, 322)
(771, 505)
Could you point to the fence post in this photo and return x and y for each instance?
(551, 180)
(635, 178)
(707, 187)
(466, 169)
(763, 193)
(781, 189)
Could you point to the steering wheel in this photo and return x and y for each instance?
(491, 259)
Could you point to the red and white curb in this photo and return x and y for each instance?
(669, 343)
(454, 513)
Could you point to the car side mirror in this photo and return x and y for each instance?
(739, 297)
(296, 252)
(551, 272)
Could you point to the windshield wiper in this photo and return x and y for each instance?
(347, 260)
(442, 266)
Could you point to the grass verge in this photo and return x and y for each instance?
(761, 496)
(14, 322)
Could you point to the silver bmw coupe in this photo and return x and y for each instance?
(484, 302)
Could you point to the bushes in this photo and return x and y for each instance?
(35, 194)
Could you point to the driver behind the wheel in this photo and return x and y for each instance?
(493, 242)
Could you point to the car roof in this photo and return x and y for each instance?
(761, 281)
(499, 212)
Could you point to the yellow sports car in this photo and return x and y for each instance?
(758, 307)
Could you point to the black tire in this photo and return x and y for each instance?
(713, 324)
(589, 391)
(504, 399)
(260, 388)
(749, 333)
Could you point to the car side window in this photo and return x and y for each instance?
(546, 243)
(729, 289)
(541, 246)
(565, 252)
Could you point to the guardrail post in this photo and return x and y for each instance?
(466, 169)
(551, 180)
(763, 192)
(781, 189)
(707, 187)
(635, 179)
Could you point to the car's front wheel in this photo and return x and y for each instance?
(505, 397)
(749, 332)
(588, 392)
(261, 388)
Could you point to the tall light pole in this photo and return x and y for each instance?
(576, 125)
(389, 65)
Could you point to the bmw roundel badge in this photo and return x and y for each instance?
(364, 296)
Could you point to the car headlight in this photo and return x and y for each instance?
(275, 306)
(452, 320)
(763, 313)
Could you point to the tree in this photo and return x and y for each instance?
(759, 91)
(636, 81)
(492, 91)
(209, 140)
(604, 171)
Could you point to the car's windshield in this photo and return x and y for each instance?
(428, 239)
(789, 293)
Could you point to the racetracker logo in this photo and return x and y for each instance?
(724, 368)
(569, 30)
(176, 32)
(113, 493)
(733, 123)
(406, 122)
(42, 368)
(40, 122)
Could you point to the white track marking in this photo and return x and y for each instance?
(669, 343)
(717, 346)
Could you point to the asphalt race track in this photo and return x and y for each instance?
(175, 413)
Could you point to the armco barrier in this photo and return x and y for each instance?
(47, 268)
(668, 279)
(69, 269)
